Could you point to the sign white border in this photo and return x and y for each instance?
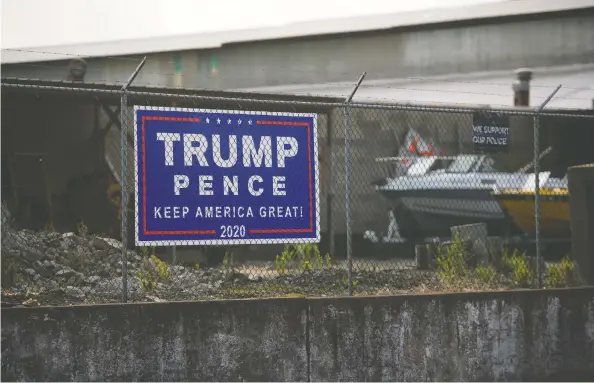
(215, 242)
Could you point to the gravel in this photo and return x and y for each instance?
(49, 268)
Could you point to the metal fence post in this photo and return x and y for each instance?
(537, 239)
(124, 185)
(330, 196)
(347, 168)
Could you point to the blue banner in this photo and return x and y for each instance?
(208, 177)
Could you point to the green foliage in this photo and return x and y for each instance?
(227, 263)
(197, 266)
(147, 282)
(82, 229)
(486, 274)
(154, 270)
(561, 274)
(345, 280)
(452, 266)
(518, 265)
(305, 255)
(162, 269)
(147, 252)
(49, 228)
(10, 276)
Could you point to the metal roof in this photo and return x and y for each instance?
(493, 10)
(492, 89)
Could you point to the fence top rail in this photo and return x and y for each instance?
(152, 93)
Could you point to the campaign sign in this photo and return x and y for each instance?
(209, 177)
(490, 132)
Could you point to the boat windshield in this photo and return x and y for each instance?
(462, 164)
(421, 166)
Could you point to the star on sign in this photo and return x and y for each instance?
(250, 122)
(229, 121)
(218, 120)
(207, 120)
(239, 121)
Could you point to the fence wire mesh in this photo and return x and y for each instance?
(434, 203)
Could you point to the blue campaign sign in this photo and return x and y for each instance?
(216, 177)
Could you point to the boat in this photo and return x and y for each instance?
(440, 192)
(555, 220)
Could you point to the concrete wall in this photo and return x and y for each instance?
(422, 51)
(523, 335)
(581, 193)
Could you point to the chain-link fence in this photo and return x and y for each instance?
(116, 195)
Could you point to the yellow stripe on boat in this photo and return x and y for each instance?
(554, 210)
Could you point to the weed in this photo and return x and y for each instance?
(451, 263)
(345, 281)
(281, 264)
(162, 268)
(328, 260)
(486, 274)
(146, 281)
(561, 274)
(307, 255)
(227, 262)
(518, 265)
(154, 270)
(49, 228)
(9, 273)
(82, 229)
(197, 266)
(147, 252)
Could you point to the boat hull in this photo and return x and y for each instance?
(431, 213)
(555, 220)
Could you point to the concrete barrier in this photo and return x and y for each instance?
(259, 340)
(581, 194)
(514, 335)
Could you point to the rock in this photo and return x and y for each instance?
(255, 278)
(31, 255)
(154, 298)
(57, 290)
(113, 243)
(30, 272)
(87, 290)
(99, 244)
(100, 254)
(93, 279)
(65, 273)
(74, 292)
(30, 302)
